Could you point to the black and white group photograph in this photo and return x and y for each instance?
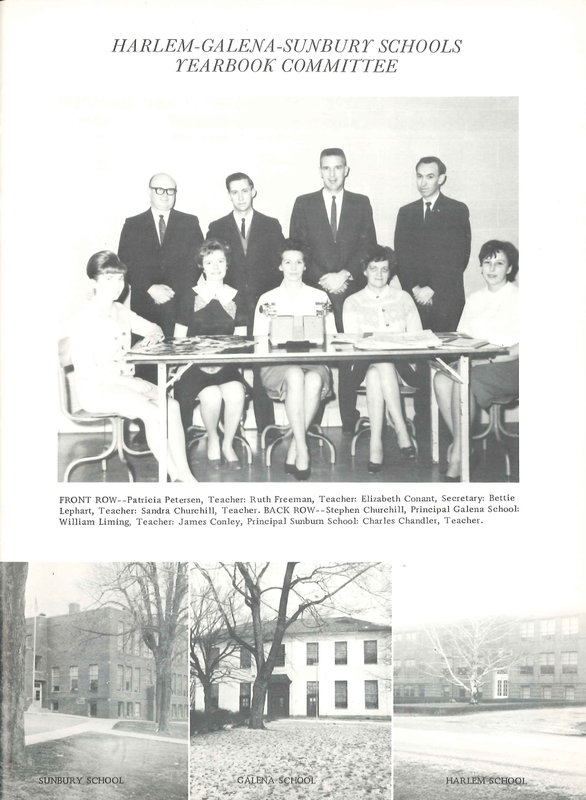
(280, 301)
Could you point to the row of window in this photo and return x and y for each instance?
(312, 690)
(312, 654)
(128, 679)
(545, 693)
(568, 626)
(545, 661)
(132, 643)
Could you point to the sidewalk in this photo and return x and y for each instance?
(95, 725)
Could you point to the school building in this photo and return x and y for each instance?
(91, 663)
(548, 663)
(341, 668)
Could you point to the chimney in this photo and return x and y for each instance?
(74, 608)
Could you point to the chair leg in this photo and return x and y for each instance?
(357, 435)
(280, 438)
(323, 439)
(103, 456)
(245, 446)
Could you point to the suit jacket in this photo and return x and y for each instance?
(255, 271)
(356, 233)
(148, 262)
(435, 254)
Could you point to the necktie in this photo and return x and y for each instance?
(427, 214)
(162, 228)
(334, 218)
(243, 228)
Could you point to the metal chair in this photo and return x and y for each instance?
(496, 425)
(82, 417)
(363, 423)
(197, 433)
(315, 432)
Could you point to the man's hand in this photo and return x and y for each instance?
(423, 295)
(334, 282)
(161, 293)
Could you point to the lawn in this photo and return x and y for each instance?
(422, 782)
(339, 761)
(177, 730)
(148, 769)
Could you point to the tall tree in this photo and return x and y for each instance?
(154, 596)
(13, 577)
(211, 651)
(469, 652)
(280, 602)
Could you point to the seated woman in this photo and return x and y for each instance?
(379, 308)
(491, 313)
(301, 386)
(105, 382)
(212, 308)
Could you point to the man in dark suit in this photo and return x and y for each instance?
(254, 240)
(159, 248)
(338, 227)
(432, 243)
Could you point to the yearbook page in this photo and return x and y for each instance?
(262, 295)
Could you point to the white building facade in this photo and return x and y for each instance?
(340, 669)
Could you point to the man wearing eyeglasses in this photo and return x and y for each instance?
(159, 248)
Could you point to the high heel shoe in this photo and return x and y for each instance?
(410, 451)
(374, 467)
(290, 469)
(452, 478)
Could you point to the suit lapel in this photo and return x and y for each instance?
(321, 216)
(236, 238)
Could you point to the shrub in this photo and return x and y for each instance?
(202, 722)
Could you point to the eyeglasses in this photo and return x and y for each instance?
(159, 190)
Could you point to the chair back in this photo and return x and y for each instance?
(65, 372)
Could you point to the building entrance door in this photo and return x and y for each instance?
(93, 708)
(278, 696)
(38, 697)
(312, 698)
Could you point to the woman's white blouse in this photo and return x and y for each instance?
(492, 315)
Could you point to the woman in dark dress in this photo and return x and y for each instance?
(212, 308)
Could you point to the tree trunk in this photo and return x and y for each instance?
(163, 695)
(12, 664)
(207, 697)
(259, 693)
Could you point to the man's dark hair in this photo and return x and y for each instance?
(333, 151)
(105, 262)
(239, 176)
(441, 167)
(491, 248)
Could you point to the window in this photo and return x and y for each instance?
(215, 695)
(93, 676)
(312, 653)
(421, 690)
(526, 665)
(28, 641)
(502, 687)
(128, 682)
(136, 644)
(527, 630)
(445, 692)
(38, 662)
(245, 696)
(340, 652)
(54, 679)
(244, 658)
(149, 677)
(120, 678)
(370, 652)
(397, 690)
(54, 705)
(371, 694)
(129, 709)
(409, 692)
(174, 683)
(569, 693)
(525, 693)
(341, 693)
(547, 627)
(173, 711)
(570, 662)
(546, 692)
(280, 662)
(120, 708)
(137, 679)
(570, 626)
(547, 663)
(73, 679)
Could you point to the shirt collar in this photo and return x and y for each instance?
(432, 200)
(239, 216)
(224, 293)
(378, 294)
(327, 196)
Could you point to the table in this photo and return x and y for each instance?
(332, 353)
